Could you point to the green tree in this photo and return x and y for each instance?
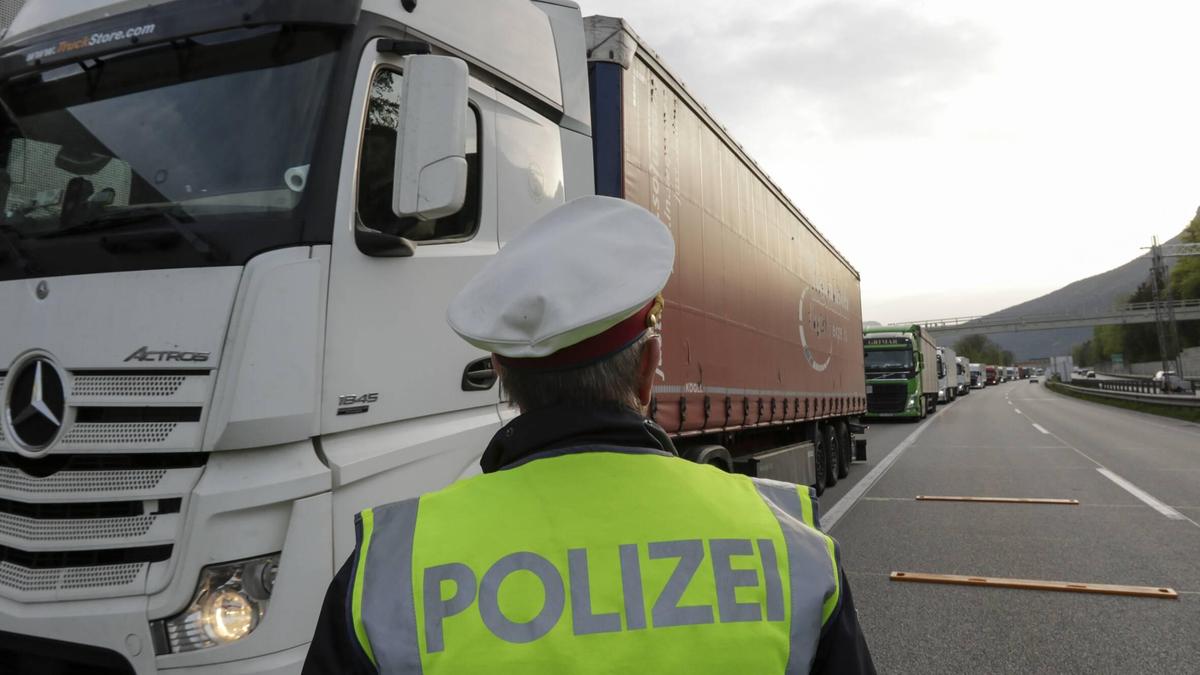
(980, 349)
(1185, 283)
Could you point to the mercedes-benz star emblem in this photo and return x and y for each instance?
(36, 405)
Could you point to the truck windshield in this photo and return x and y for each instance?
(184, 154)
(889, 359)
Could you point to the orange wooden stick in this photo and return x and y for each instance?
(1000, 500)
(1034, 585)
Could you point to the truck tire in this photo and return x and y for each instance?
(833, 455)
(712, 455)
(846, 443)
(820, 459)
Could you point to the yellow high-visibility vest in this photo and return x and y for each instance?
(595, 562)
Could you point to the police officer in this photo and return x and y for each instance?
(587, 545)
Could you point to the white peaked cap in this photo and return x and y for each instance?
(579, 271)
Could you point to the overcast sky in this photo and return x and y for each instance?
(964, 155)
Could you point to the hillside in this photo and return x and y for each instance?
(1095, 293)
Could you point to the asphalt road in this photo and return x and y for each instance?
(987, 444)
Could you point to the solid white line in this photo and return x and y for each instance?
(829, 519)
(1142, 495)
(1040, 428)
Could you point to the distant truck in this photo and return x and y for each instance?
(1063, 367)
(963, 366)
(992, 375)
(1010, 373)
(901, 372)
(947, 367)
(978, 377)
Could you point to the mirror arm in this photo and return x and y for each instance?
(380, 245)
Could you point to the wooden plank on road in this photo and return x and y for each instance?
(999, 500)
(1036, 585)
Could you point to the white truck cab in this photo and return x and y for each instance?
(222, 286)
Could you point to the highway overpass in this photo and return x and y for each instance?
(1142, 312)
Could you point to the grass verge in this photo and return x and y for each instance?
(1186, 414)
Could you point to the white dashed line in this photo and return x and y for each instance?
(1142, 495)
(1126, 485)
(1040, 428)
(1017, 410)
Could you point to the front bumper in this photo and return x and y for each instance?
(247, 504)
(113, 635)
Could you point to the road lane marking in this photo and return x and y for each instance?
(1040, 428)
(999, 500)
(1037, 585)
(831, 517)
(1142, 495)
(1117, 479)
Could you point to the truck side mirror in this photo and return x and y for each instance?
(431, 163)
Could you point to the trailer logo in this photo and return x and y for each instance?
(818, 324)
(145, 355)
(36, 407)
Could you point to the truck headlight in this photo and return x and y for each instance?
(912, 401)
(230, 601)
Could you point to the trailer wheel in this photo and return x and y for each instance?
(833, 454)
(820, 459)
(712, 455)
(846, 444)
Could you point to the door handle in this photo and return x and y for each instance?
(479, 375)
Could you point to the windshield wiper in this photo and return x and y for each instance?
(172, 215)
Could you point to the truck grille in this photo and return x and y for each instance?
(141, 386)
(46, 581)
(887, 398)
(98, 514)
(92, 527)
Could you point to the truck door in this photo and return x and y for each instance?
(389, 354)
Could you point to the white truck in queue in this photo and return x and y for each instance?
(231, 231)
(947, 371)
(964, 375)
(978, 377)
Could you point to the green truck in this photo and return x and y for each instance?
(901, 370)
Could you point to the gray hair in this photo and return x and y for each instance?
(613, 379)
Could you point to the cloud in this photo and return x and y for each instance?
(849, 71)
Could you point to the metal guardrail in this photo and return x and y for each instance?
(1195, 383)
(1185, 401)
(1127, 386)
